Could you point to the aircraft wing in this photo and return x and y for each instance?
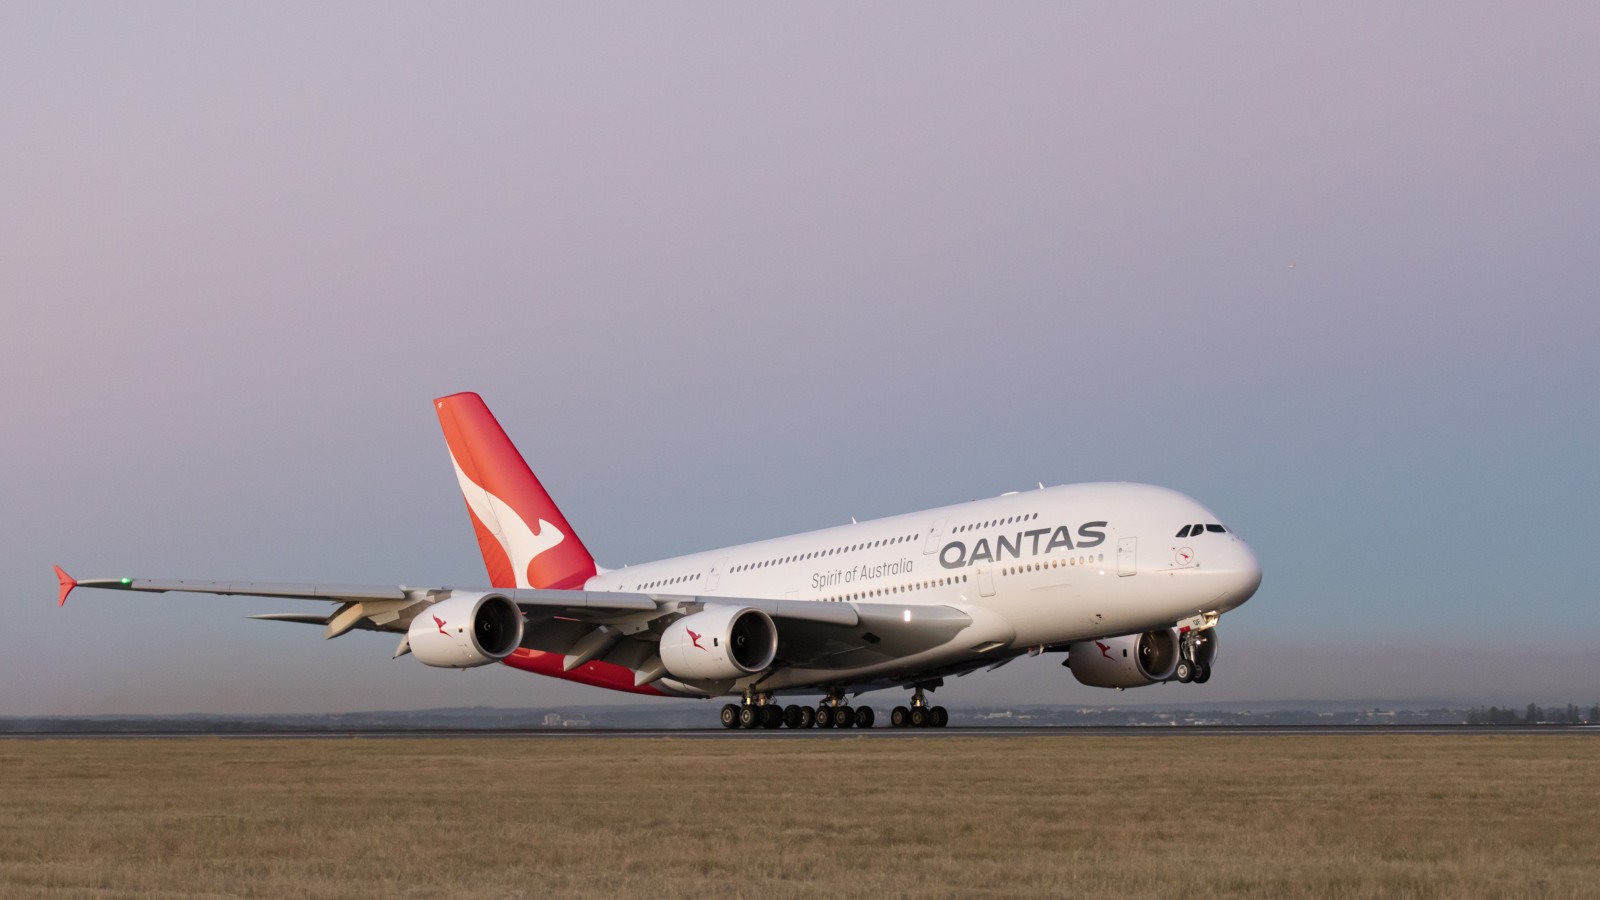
(809, 631)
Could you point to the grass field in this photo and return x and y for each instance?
(1135, 816)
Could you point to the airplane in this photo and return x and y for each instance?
(1128, 580)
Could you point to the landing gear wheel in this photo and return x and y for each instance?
(1185, 671)
(824, 717)
(1202, 673)
(808, 717)
(730, 715)
(865, 717)
(940, 717)
(749, 717)
(919, 717)
(899, 718)
(845, 716)
(791, 716)
(771, 716)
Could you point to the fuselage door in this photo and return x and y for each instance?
(1128, 556)
(985, 575)
(714, 577)
(935, 532)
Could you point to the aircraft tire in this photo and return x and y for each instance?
(749, 717)
(919, 717)
(730, 715)
(940, 717)
(1202, 673)
(808, 717)
(824, 717)
(846, 716)
(900, 717)
(1185, 671)
(865, 717)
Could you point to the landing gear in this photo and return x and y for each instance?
(1194, 646)
(920, 714)
(763, 711)
(757, 711)
(835, 712)
(798, 716)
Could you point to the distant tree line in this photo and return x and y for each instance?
(1534, 715)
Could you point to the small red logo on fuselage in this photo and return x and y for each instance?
(440, 622)
(695, 639)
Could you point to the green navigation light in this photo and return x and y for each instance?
(127, 581)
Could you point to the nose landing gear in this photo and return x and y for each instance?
(1194, 646)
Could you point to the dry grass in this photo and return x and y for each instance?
(1136, 816)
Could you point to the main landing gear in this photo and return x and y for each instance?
(920, 714)
(762, 711)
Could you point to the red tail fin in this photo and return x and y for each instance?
(526, 542)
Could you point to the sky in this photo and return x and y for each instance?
(727, 272)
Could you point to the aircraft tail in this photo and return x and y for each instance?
(526, 541)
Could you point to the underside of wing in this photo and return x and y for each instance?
(617, 628)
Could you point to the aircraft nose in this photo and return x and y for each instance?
(1244, 574)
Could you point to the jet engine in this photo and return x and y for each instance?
(719, 643)
(1133, 660)
(466, 630)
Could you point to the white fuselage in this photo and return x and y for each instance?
(1033, 569)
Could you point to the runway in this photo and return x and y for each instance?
(784, 734)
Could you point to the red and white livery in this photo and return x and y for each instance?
(1127, 580)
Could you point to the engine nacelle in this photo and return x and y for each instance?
(1133, 660)
(718, 643)
(466, 630)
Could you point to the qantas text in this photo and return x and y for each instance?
(955, 554)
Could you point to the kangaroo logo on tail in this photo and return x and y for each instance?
(525, 540)
(522, 543)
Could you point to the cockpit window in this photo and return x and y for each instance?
(1184, 531)
(1218, 529)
